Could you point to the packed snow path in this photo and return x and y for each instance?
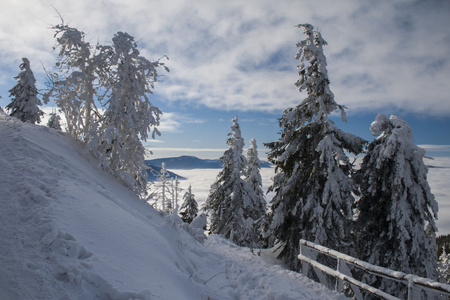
(71, 231)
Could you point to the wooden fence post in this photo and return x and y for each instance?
(305, 265)
(344, 269)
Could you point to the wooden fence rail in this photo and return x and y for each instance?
(343, 274)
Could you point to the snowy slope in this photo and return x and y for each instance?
(70, 231)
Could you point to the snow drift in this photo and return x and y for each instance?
(71, 231)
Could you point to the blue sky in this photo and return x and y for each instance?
(231, 58)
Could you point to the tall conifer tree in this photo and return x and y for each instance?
(163, 187)
(24, 104)
(189, 208)
(254, 180)
(313, 199)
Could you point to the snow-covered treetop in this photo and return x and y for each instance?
(236, 141)
(379, 125)
(125, 44)
(394, 125)
(398, 142)
(126, 48)
(25, 64)
(26, 77)
(163, 174)
(314, 79)
(252, 153)
(310, 49)
(235, 129)
(397, 131)
(134, 79)
(71, 43)
(189, 192)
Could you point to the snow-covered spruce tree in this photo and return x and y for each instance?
(313, 199)
(24, 104)
(397, 211)
(175, 190)
(231, 209)
(54, 121)
(163, 190)
(444, 267)
(254, 180)
(129, 116)
(189, 208)
(77, 83)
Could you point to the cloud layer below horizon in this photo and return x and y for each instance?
(238, 55)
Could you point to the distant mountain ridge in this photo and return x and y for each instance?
(191, 162)
(155, 171)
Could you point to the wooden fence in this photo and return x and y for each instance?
(415, 284)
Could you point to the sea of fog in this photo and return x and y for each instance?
(438, 177)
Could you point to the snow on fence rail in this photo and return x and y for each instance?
(343, 274)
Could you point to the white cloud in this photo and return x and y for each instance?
(173, 122)
(239, 54)
(436, 148)
(170, 122)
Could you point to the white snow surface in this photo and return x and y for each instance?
(71, 231)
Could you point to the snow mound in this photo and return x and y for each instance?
(71, 231)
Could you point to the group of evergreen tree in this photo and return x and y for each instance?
(391, 224)
(443, 244)
(236, 202)
(166, 192)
